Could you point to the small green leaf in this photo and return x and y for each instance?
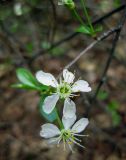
(116, 118)
(49, 117)
(26, 77)
(98, 29)
(112, 108)
(117, 3)
(102, 95)
(45, 45)
(113, 105)
(84, 29)
(29, 47)
(28, 81)
(24, 86)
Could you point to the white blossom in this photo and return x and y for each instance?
(68, 135)
(65, 89)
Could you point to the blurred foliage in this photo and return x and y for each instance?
(102, 95)
(113, 109)
(117, 3)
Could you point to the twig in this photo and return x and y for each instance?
(54, 24)
(70, 36)
(102, 37)
(90, 102)
(112, 52)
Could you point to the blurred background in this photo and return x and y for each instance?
(32, 35)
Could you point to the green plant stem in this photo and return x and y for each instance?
(86, 14)
(58, 119)
(78, 17)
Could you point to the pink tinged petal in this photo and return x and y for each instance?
(69, 109)
(46, 79)
(80, 125)
(50, 103)
(49, 130)
(81, 86)
(68, 76)
(68, 122)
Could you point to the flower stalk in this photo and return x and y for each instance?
(58, 119)
(87, 15)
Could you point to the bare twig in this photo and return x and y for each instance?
(103, 77)
(54, 24)
(111, 55)
(70, 36)
(102, 37)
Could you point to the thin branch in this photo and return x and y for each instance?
(54, 24)
(117, 32)
(70, 36)
(111, 55)
(102, 37)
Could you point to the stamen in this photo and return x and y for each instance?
(72, 94)
(77, 139)
(77, 143)
(70, 147)
(59, 141)
(64, 144)
(80, 135)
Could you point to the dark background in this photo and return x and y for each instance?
(24, 42)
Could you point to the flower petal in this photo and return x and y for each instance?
(53, 140)
(49, 103)
(81, 86)
(68, 76)
(68, 122)
(80, 125)
(49, 130)
(69, 109)
(46, 79)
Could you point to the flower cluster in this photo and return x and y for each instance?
(65, 89)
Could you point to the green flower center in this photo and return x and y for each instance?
(64, 90)
(67, 135)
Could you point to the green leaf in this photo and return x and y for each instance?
(116, 118)
(45, 45)
(98, 29)
(49, 117)
(113, 105)
(29, 47)
(24, 86)
(112, 108)
(26, 77)
(117, 3)
(84, 29)
(102, 95)
(28, 81)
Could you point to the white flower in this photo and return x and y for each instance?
(64, 90)
(68, 135)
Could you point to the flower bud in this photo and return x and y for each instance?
(69, 3)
